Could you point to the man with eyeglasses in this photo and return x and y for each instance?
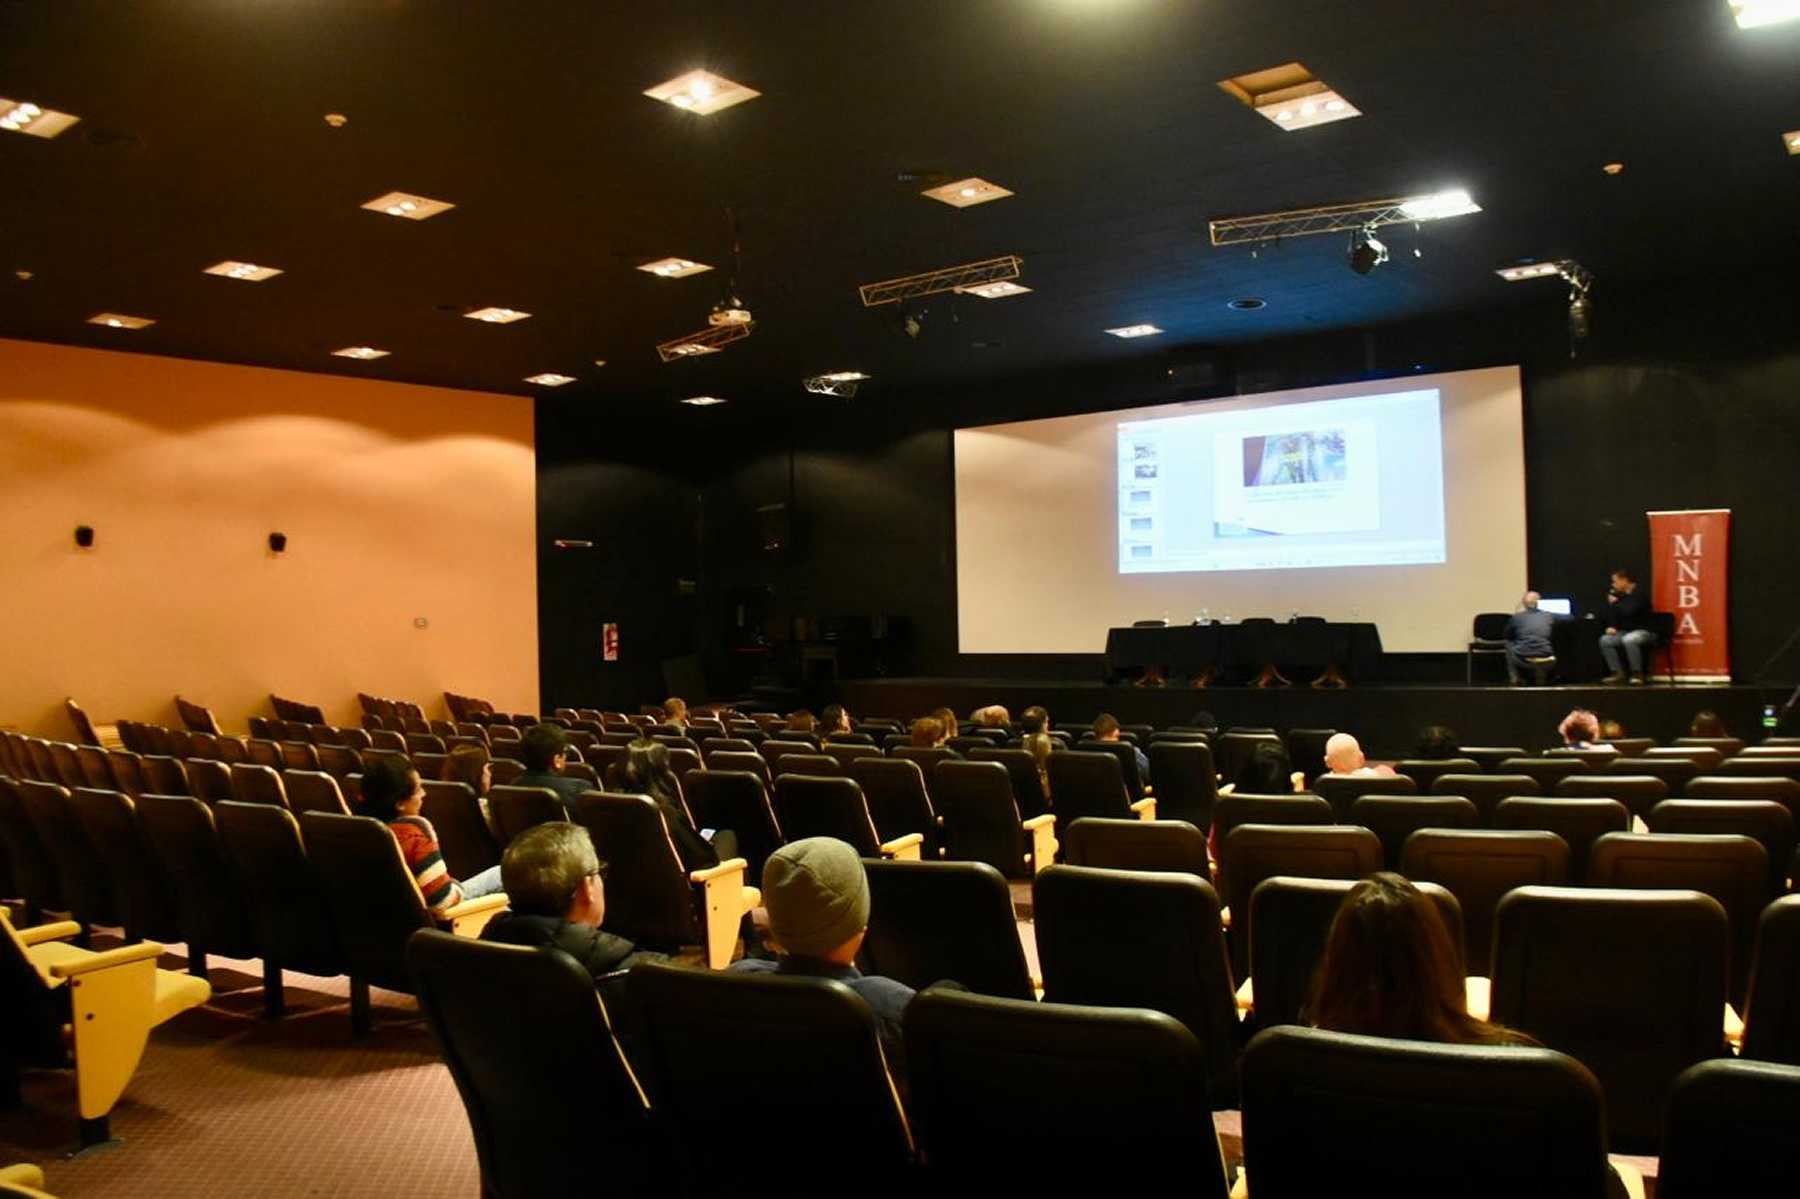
(555, 886)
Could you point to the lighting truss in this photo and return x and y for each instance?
(1575, 275)
(709, 340)
(1337, 218)
(841, 384)
(950, 278)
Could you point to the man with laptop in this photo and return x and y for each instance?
(1528, 639)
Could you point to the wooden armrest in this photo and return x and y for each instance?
(1630, 1177)
(37, 934)
(1145, 808)
(903, 848)
(124, 955)
(1227, 788)
(1734, 1029)
(1042, 832)
(1038, 822)
(1225, 916)
(1246, 996)
(468, 918)
(22, 1175)
(1478, 995)
(720, 871)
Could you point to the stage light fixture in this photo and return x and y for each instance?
(1340, 218)
(407, 206)
(1791, 139)
(118, 320)
(729, 311)
(701, 93)
(842, 384)
(1290, 97)
(247, 271)
(709, 340)
(995, 291)
(549, 379)
(360, 353)
(1527, 270)
(674, 268)
(965, 193)
(22, 116)
(970, 277)
(1754, 14)
(497, 316)
(1366, 251)
(703, 401)
(1130, 331)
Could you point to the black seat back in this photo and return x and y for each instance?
(211, 781)
(465, 840)
(1579, 822)
(1043, 1080)
(931, 921)
(1638, 792)
(142, 890)
(1772, 1011)
(1133, 938)
(1673, 771)
(515, 809)
(1334, 1113)
(1342, 790)
(815, 806)
(1254, 852)
(1126, 752)
(33, 869)
(1233, 810)
(166, 776)
(1547, 771)
(1084, 783)
(1730, 1131)
(1486, 791)
(899, 801)
(1187, 785)
(648, 896)
(1768, 823)
(981, 821)
(370, 892)
(292, 923)
(1394, 818)
(547, 1089)
(1479, 866)
(1630, 982)
(212, 911)
(1173, 845)
(314, 791)
(737, 800)
(82, 878)
(1021, 768)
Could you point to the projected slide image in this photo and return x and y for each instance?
(1311, 457)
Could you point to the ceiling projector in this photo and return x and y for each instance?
(729, 311)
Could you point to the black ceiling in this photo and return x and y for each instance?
(202, 138)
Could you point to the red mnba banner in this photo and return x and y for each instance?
(1689, 555)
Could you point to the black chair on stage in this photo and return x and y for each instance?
(1730, 1131)
(1489, 639)
(932, 921)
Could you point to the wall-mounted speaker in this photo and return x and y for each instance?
(84, 536)
(277, 543)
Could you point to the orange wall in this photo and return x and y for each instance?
(399, 502)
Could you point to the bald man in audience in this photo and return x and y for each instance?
(1344, 756)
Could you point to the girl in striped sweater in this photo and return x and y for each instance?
(393, 794)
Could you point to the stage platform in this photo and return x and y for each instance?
(1385, 718)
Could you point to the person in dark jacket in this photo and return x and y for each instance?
(545, 751)
(646, 771)
(556, 893)
(1627, 629)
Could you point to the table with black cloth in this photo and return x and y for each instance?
(1192, 650)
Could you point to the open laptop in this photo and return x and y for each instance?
(1556, 605)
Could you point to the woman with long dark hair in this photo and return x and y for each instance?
(646, 771)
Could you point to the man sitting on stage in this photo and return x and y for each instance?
(1528, 640)
(1344, 755)
(1627, 626)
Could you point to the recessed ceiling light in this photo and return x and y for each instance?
(1135, 331)
(248, 271)
(1438, 205)
(336, 120)
(1291, 97)
(408, 206)
(599, 362)
(1791, 139)
(362, 353)
(1246, 303)
(996, 290)
(703, 401)
(701, 92)
(674, 268)
(118, 320)
(844, 377)
(966, 192)
(549, 379)
(1527, 270)
(1614, 168)
(22, 116)
(497, 316)
(1754, 14)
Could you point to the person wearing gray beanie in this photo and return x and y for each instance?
(817, 897)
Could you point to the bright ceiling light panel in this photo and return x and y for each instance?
(247, 271)
(1791, 139)
(118, 320)
(1754, 14)
(1290, 97)
(22, 116)
(701, 92)
(549, 379)
(360, 353)
(1438, 205)
(844, 377)
(966, 192)
(1530, 270)
(408, 206)
(995, 291)
(703, 401)
(497, 316)
(1135, 331)
(674, 268)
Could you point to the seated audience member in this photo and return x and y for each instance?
(802, 722)
(1706, 723)
(675, 712)
(393, 794)
(1035, 740)
(468, 764)
(1344, 756)
(928, 733)
(1611, 730)
(556, 895)
(992, 717)
(646, 771)
(1267, 771)
(1389, 970)
(1627, 629)
(1527, 637)
(834, 720)
(1204, 720)
(1106, 728)
(1580, 729)
(545, 751)
(1437, 744)
(817, 897)
(947, 718)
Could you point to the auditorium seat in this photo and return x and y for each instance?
(1727, 746)
(143, 895)
(231, 750)
(288, 913)
(845, 752)
(1638, 792)
(1733, 870)
(812, 1050)
(732, 745)
(464, 837)
(1490, 756)
(387, 739)
(128, 770)
(96, 770)
(1730, 1131)
(1746, 765)
(210, 908)
(1579, 822)
(196, 717)
(166, 776)
(730, 760)
(810, 806)
(69, 1007)
(1126, 754)
(1772, 1010)
(574, 770)
(257, 784)
(1595, 757)
(1306, 749)
(737, 800)
(1426, 771)
(1328, 1113)
(1290, 919)
(926, 756)
(814, 765)
(33, 869)
(548, 1091)
(1675, 772)
(1704, 756)
(1630, 982)
(1254, 852)
(1134, 938)
(1486, 791)
(299, 755)
(1232, 750)
(774, 749)
(1394, 818)
(932, 921)
(981, 821)
(82, 878)
(1765, 821)
(1546, 771)
(66, 765)
(1783, 791)
(1479, 866)
(1342, 790)
(1021, 768)
(650, 898)
(1233, 810)
(1169, 845)
(210, 780)
(1187, 785)
(1092, 784)
(340, 760)
(1046, 1083)
(260, 751)
(515, 809)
